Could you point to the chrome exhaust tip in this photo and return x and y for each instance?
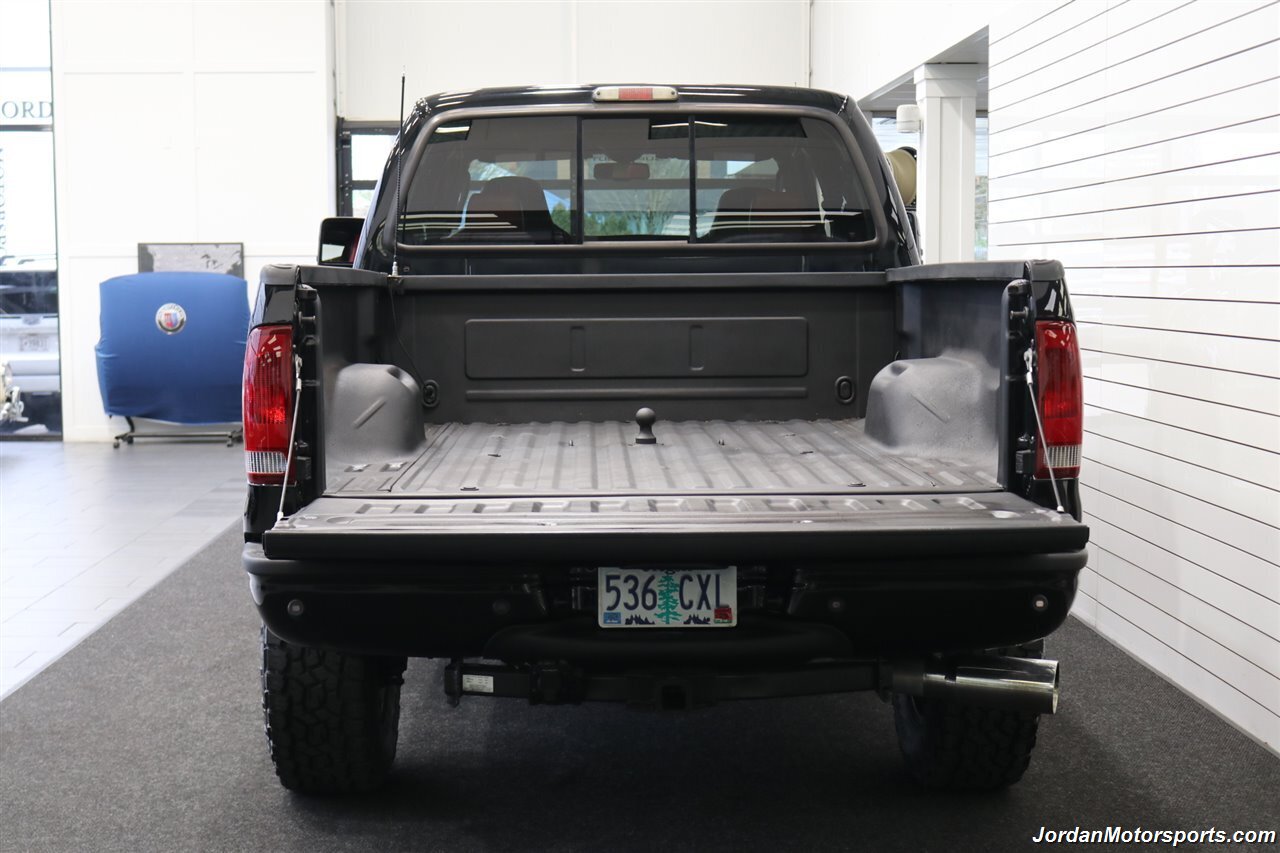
(1022, 684)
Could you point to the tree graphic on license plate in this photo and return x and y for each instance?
(668, 598)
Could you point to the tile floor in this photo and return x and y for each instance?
(85, 529)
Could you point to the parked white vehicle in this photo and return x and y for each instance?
(29, 345)
(29, 332)
(11, 403)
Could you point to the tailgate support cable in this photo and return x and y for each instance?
(293, 431)
(1028, 358)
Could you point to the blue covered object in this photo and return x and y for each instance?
(172, 346)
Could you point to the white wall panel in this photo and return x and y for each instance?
(105, 177)
(1043, 45)
(81, 43)
(863, 47)
(1121, 162)
(276, 106)
(1232, 213)
(1229, 560)
(1205, 178)
(1140, 147)
(1142, 123)
(1247, 713)
(1249, 500)
(451, 45)
(78, 277)
(1245, 284)
(1217, 454)
(1085, 605)
(1194, 513)
(764, 42)
(1252, 247)
(1145, 103)
(1261, 320)
(1244, 355)
(1171, 45)
(1242, 426)
(1056, 59)
(457, 45)
(1223, 593)
(1089, 576)
(1239, 672)
(1244, 391)
(1252, 645)
(219, 131)
(1177, 36)
(1085, 608)
(1026, 24)
(249, 36)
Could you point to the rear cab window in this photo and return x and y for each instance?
(703, 178)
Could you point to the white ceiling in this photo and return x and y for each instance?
(971, 51)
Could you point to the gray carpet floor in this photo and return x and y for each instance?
(148, 737)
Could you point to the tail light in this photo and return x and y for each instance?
(1061, 399)
(268, 403)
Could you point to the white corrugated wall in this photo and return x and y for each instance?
(1139, 142)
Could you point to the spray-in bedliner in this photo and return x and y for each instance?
(801, 457)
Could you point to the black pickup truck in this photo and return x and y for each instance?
(641, 394)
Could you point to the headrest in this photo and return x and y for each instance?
(510, 192)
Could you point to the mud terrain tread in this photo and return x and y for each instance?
(963, 747)
(330, 717)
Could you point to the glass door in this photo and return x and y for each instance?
(31, 406)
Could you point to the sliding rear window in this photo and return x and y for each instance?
(705, 178)
(495, 180)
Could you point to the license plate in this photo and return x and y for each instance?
(695, 597)
(33, 343)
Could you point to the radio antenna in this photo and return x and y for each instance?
(395, 246)
(394, 280)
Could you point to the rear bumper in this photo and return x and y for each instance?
(875, 606)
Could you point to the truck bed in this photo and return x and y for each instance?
(691, 457)
(709, 490)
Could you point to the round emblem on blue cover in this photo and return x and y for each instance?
(170, 319)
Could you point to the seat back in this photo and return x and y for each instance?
(742, 211)
(172, 346)
(513, 203)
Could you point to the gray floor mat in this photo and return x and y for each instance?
(148, 737)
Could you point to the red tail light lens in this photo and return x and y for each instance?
(1061, 398)
(634, 93)
(268, 403)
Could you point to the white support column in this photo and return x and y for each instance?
(947, 96)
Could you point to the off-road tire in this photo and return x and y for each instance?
(331, 718)
(963, 747)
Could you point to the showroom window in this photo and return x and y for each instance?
(363, 148)
(886, 132)
(32, 396)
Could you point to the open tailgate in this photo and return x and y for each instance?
(637, 529)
